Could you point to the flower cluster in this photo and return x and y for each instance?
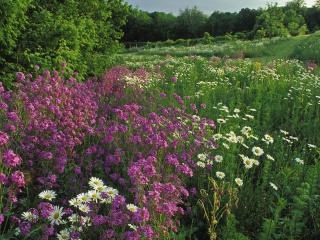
(99, 213)
(12, 178)
(59, 114)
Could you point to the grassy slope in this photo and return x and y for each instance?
(304, 48)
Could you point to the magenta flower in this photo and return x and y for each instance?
(45, 209)
(25, 228)
(20, 76)
(3, 179)
(4, 138)
(1, 219)
(17, 178)
(174, 79)
(10, 159)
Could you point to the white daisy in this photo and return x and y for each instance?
(249, 116)
(300, 161)
(95, 182)
(248, 163)
(201, 164)
(29, 216)
(284, 132)
(202, 156)
(48, 195)
(246, 130)
(268, 139)
(56, 215)
(270, 157)
(240, 139)
(74, 218)
(83, 198)
(75, 202)
(217, 136)
(255, 162)
(100, 188)
(131, 207)
(111, 192)
(218, 158)
(312, 145)
(133, 227)
(220, 175)
(257, 151)
(274, 186)
(226, 145)
(94, 195)
(221, 120)
(239, 182)
(84, 208)
(64, 234)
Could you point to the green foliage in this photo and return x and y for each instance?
(292, 19)
(269, 227)
(207, 38)
(230, 231)
(191, 23)
(309, 49)
(271, 23)
(82, 33)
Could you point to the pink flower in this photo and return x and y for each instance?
(20, 76)
(1, 219)
(18, 178)
(4, 138)
(10, 159)
(3, 179)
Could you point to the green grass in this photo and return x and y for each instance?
(306, 48)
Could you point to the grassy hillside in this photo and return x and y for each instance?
(306, 48)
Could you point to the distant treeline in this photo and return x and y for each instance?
(292, 19)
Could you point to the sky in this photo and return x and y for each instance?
(207, 6)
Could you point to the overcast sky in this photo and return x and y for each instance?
(207, 6)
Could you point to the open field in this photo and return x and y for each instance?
(305, 48)
(211, 141)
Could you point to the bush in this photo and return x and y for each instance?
(83, 33)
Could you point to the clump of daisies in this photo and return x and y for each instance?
(101, 208)
(204, 160)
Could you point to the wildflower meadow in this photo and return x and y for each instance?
(215, 140)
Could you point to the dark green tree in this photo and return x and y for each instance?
(163, 26)
(312, 18)
(191, 23)
(220, 23)
(245, 20)
(138, 27)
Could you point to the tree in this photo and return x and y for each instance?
(296, 5)
(13, 19)
(163, 26)
(294, 20)
(82, 33)
(138, 27)
(191, 23)
(220, 23)
(312, 18)
(270, 23)
(245, 20)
